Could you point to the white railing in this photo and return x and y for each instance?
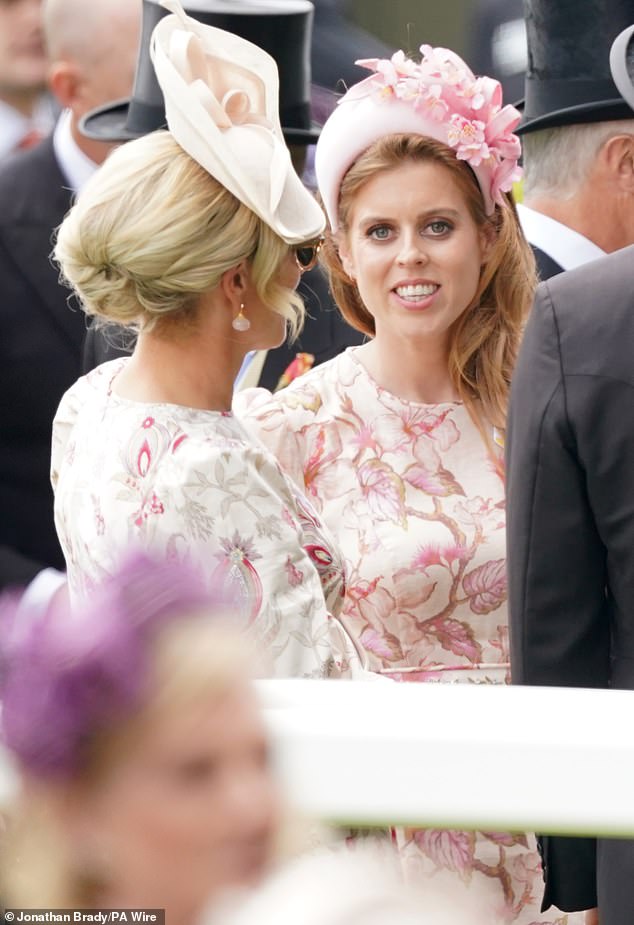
(485, 757)
(466, 756)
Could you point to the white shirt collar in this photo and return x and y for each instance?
(566, 247)
(76, 166)
(14, 125)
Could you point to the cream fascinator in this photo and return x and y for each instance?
(221, 103)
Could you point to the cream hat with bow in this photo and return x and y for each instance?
(221, 103)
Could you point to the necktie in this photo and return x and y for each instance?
(29, 139)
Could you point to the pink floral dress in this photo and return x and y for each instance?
(193, 485)
(416, 503)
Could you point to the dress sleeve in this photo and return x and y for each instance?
(268, 420)
(63, 423)
(245, 527)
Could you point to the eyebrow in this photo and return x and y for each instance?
(439, 210)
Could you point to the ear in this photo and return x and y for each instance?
(64, 82)
(234, 284)
(617, 155)
(345, 256)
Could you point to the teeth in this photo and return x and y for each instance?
(416, 292)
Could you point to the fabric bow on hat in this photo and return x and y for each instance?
(221, 103)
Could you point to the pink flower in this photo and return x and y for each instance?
(404, 66)
(431, 103)
(467, 137)
(446, 64)
(426, 556)
(472, 92)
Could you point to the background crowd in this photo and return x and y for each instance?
(334, 423)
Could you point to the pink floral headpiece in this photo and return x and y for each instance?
(440, 98)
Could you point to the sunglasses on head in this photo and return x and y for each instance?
(306, 254)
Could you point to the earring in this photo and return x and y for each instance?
(241, 322)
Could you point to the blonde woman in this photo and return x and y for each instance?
(196, 238)
(398, 442)
(141, 752)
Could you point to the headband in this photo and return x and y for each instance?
(439, 98)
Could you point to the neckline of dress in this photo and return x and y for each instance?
(137, 403)
(381, 390)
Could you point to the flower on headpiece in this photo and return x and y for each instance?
(473, 93)
(499, 132)
(456, 107)
(444, 64)
(468, 138)
(504, 176)
(432, 104)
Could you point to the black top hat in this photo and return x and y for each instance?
(568, 78)
(281, 27)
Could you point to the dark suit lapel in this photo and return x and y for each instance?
(546, 266)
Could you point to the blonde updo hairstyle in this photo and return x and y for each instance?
(485, 339)
(152, 231)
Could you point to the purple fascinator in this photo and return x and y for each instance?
(67, 674)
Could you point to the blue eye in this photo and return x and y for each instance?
(379, 232)
(439, 227)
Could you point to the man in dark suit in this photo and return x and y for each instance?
(285, 33)
(570, 456)
(42, 337)
(577, 134)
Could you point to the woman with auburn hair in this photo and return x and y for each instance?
(196, 237)
(141, 752)
(398, 442)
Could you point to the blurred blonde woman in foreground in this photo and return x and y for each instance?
(139, 744)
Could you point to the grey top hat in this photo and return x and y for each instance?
(568, 80)
(283, 28)
(622, 64)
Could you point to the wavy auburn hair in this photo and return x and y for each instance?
(485, 339)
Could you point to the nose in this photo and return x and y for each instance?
(412, 249)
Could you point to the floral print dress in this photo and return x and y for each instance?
(193, 485)
(416, 502)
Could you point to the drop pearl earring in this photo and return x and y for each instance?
(241, 322)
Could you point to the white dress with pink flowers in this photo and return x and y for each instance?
(416, 503)
(193, 485)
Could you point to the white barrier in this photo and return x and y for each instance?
(466, 756)
(469, 756)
